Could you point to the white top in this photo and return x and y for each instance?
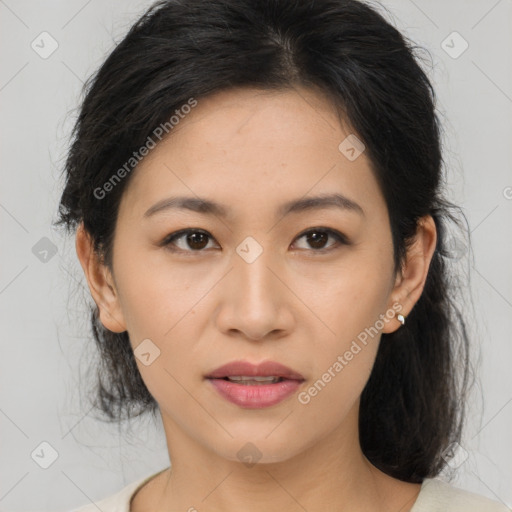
(435, 496)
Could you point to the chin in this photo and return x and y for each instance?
(258, 450)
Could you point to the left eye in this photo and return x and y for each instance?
(317, 238)
(194, 240)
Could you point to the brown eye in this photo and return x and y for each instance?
(189, 240)
(317, 239)
(197, 241)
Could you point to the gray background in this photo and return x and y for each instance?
(45, 333)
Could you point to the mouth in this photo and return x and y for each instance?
(254, 386)
(247, 372)
(254, 381)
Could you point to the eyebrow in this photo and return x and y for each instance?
(206, 206)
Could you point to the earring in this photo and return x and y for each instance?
(401, 318)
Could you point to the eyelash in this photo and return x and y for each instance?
(340, 238)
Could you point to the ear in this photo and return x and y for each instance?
(410, 282)
(101, 282)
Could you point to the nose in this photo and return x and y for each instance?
(255, 302)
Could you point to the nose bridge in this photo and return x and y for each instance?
(252, 302)
(253, 282)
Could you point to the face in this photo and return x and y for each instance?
(309, 286)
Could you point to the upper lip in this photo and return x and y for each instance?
(247, 369)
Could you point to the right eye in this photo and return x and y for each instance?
(187, 240)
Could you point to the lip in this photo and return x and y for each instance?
(255, 396)
(263, 369)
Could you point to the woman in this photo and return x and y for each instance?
(256, 192)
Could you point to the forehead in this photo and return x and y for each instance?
(245, 142)
(296, 116)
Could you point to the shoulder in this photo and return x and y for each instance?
(120, 501)
(439, 496)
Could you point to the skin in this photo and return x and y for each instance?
(253, 150)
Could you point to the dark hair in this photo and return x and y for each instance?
(412, 407)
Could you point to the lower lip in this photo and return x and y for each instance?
(255, 396)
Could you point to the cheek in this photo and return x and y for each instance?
(348, 296)
(163, 315)
(343, 351)
(349, 302)
(155, 295)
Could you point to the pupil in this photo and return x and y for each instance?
(197, 240)
(317, 239)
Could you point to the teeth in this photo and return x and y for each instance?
(244, 379)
